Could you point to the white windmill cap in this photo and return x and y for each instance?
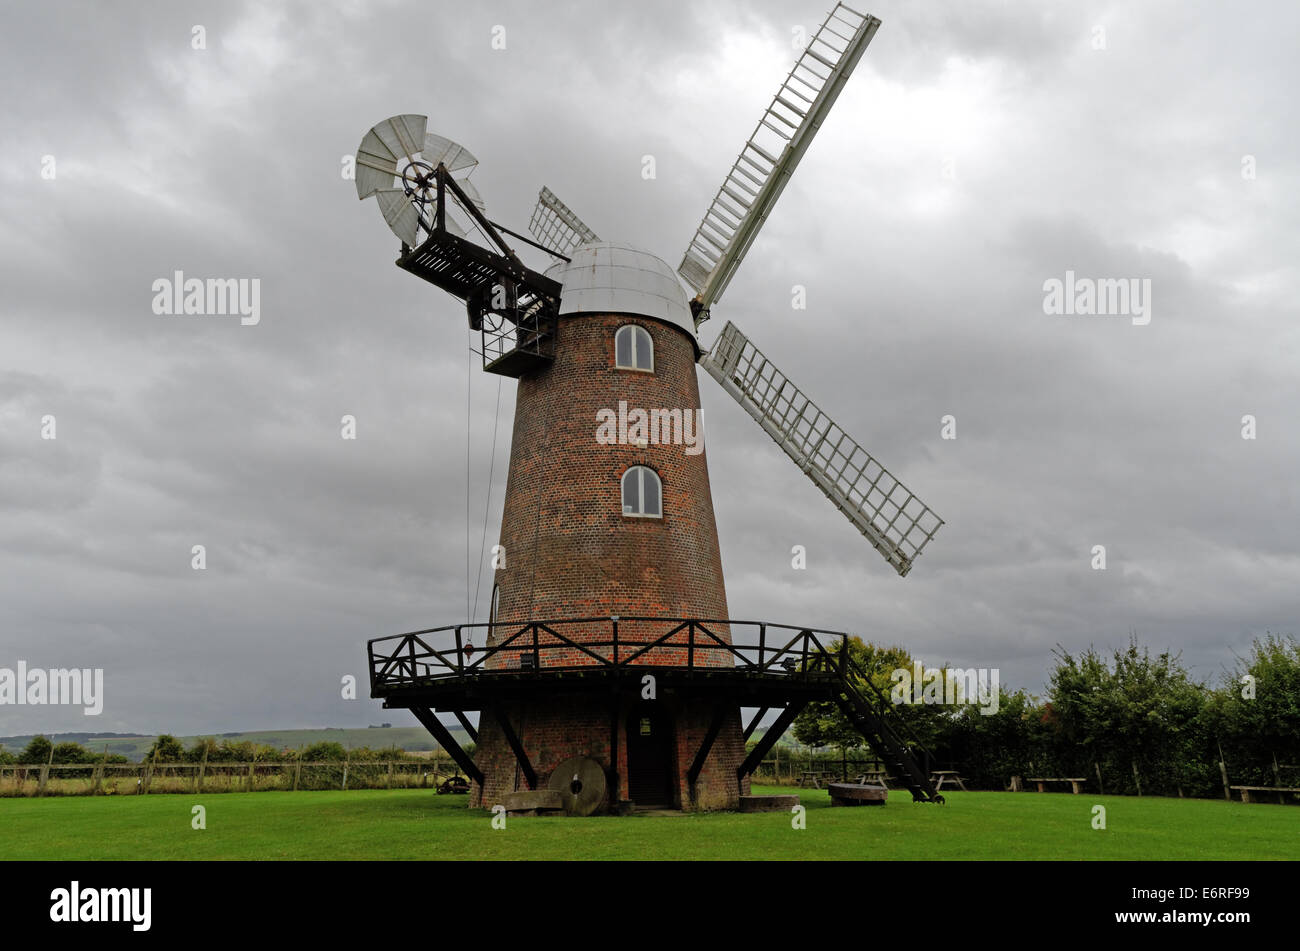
(609, 277)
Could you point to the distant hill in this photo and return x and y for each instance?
(134, 745)
(413, 739)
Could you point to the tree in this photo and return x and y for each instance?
(992, 747)
(1256, 712)
(71, 753)
(1137, 712)
(37, 751)
(324, 752)
(195, 754)
(166, 749)
(823, 723)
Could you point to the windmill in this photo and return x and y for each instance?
(610, 671)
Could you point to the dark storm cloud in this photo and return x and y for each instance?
(924, 299)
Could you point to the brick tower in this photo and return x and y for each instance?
(608, 513)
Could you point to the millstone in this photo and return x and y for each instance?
(580, 781)
(856, 794)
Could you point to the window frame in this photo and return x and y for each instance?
(632, 330)
(640, 469)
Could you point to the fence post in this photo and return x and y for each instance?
(203, 768)
(346, 757)
(1136, 779)
(297, 769)
(1101, 790)
(97, 778)
(45, 773)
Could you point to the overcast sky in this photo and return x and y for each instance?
(979, 150)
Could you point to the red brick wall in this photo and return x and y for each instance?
(579, 725)
(573, 725)
(571, 553)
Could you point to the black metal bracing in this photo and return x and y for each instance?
(469, 727)
(885, 741)
(769, 666)
(521, 757)
(777, 730)
(719, 717)
(429, 720)
(512, 306)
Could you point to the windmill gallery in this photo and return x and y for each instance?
(615, 569)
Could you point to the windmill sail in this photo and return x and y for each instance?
(895, 521)
(391, 151)
(556, 227)
(394, 139)
(770, 155)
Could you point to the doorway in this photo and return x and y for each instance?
(649, 757)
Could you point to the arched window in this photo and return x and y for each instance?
(495, 607)
(642, 493)
(633, 348)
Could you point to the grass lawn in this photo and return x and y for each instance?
(416, 824)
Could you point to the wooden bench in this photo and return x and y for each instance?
(941, 776)
(1280, 790)
(1076, 784)
(533, 802)
(768, 803)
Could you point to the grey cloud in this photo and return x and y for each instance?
(924, 299)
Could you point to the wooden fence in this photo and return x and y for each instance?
(89, 779)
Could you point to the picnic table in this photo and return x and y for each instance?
(872, 777)
(813, 776)
(1280, 790)
(940, 776)
(1076, 783)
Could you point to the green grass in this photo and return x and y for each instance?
(415, 824)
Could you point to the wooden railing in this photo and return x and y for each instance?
(685, 643)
